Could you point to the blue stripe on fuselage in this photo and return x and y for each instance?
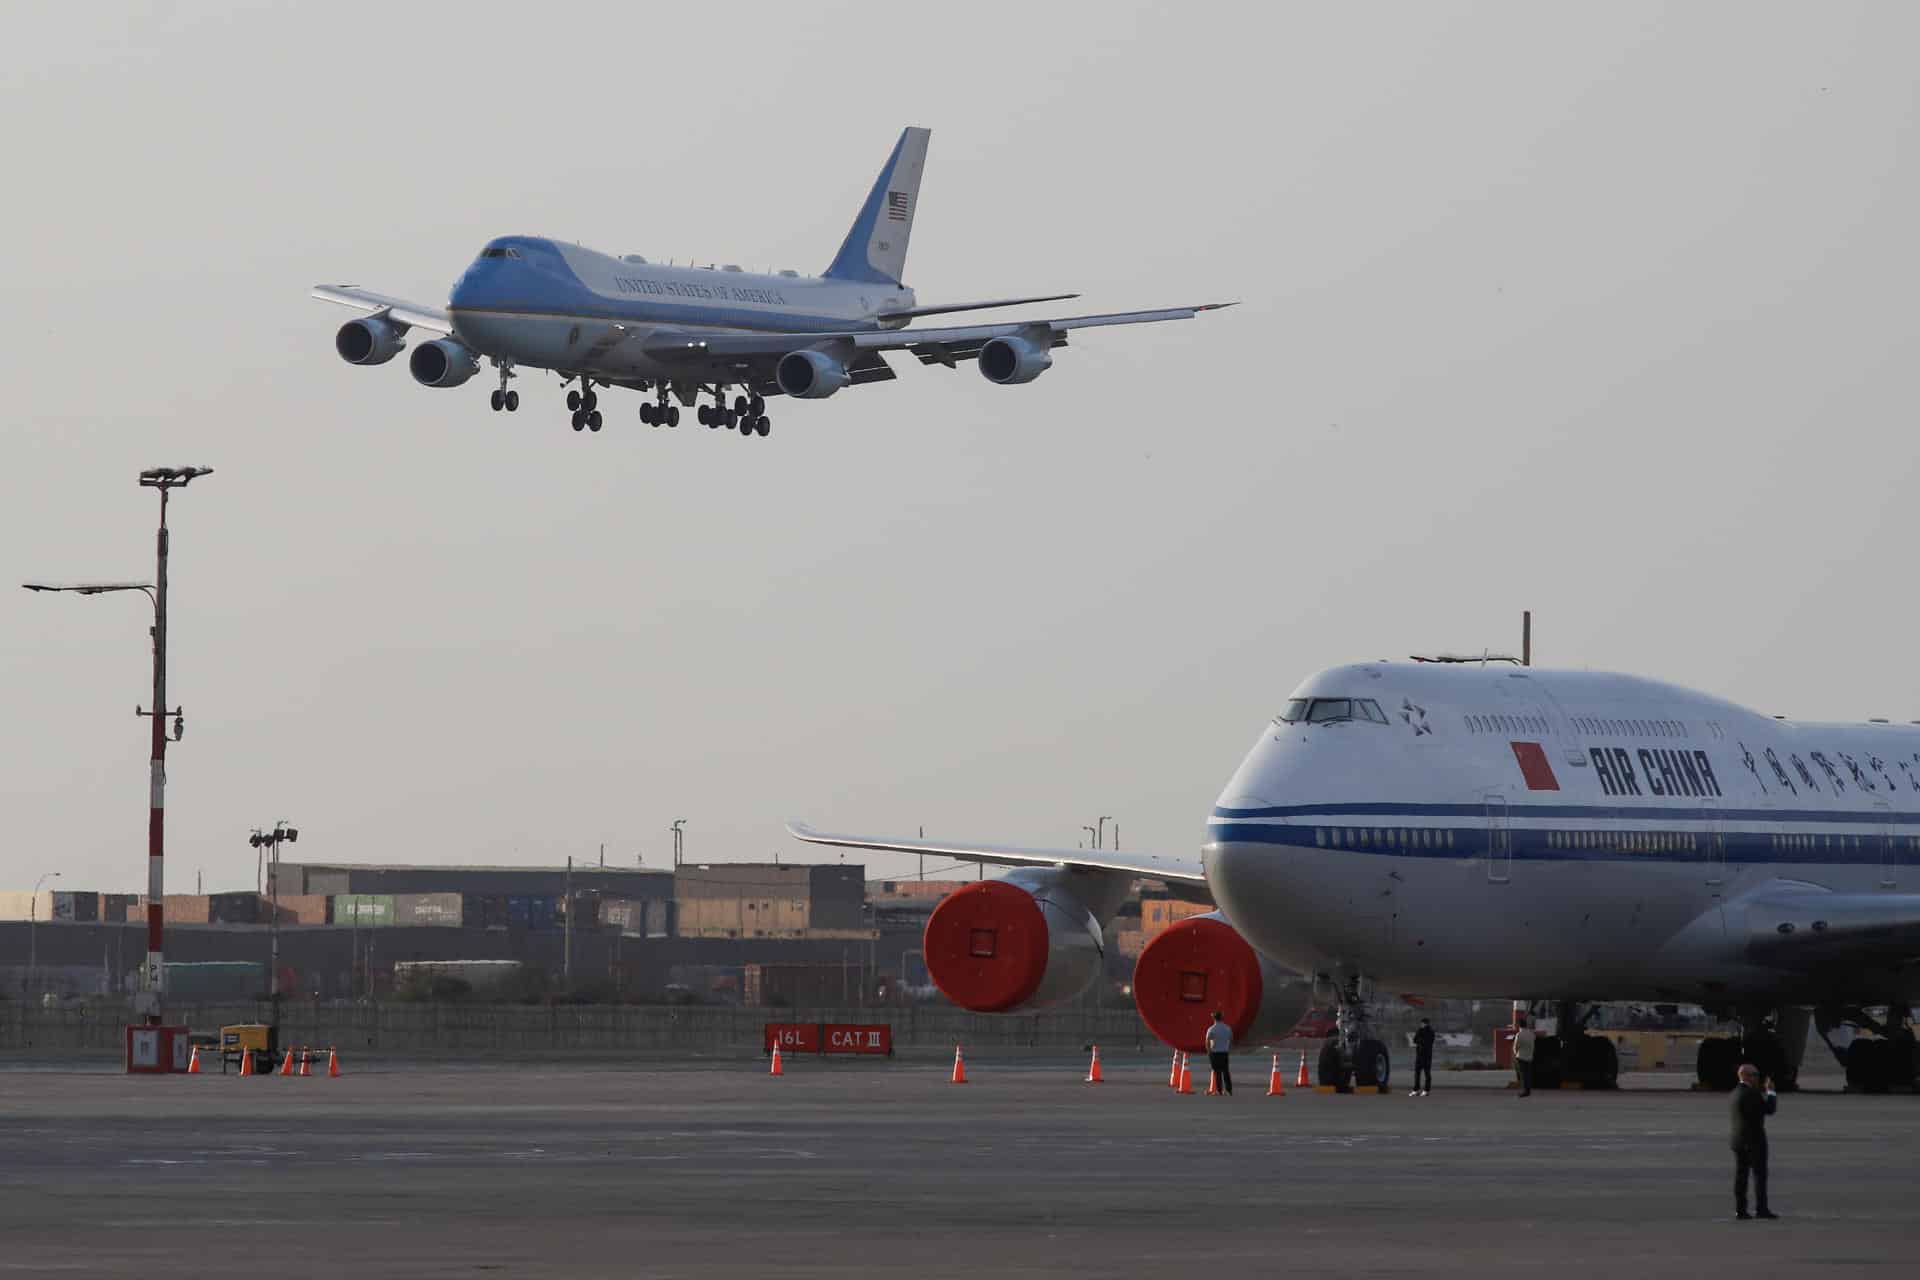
(1530, 845)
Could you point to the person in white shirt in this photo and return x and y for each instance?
(1523, 1056)
(1219, 1040)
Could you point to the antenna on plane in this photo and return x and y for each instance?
(1526, 637)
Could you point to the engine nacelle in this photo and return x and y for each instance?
(442, 363)
(1201, 964)
(810, 375)
(1017, 943)
(372, 340)
(1011, 361)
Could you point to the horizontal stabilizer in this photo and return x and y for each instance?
(951, 307)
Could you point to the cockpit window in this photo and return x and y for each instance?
(1332, 711)
(499, 253)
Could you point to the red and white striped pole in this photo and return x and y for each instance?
(156, 983)
(153, 999)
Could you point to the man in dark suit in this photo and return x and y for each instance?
(1753, 1102)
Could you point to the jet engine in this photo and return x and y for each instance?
(1015, 943)
(373, 340)
(1201, 964)
(810, 375)
(442, 363)
(1011, 361)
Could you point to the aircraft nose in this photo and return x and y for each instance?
(1245, 881)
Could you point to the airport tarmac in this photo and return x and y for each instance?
(849, 1167)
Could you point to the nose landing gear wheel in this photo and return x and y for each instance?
(499, 401)
(1331, 1070)
(1371, 1064)
(513, 402)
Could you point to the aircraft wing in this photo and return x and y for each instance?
(944, 345)
(1183, 876)
(1801, 926)
(411, 314)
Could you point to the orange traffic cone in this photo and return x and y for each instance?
(193, 1061)
(1213, 1083)
(1275, 1088)
(246, 1062)
(959, 1067)
(776, 1069)
(306, 1061)
(1173, 1078)
(286, 1068)
(333, 1062)
(1186, 1075)
(1093, 1072)
(1301, 1081)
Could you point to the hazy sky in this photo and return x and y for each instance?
(1606, 310)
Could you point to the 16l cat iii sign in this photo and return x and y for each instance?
(829, 1037)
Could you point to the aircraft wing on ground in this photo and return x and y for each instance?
(945, 345)
(1182, 876)
(1801, 926)
(411, 314)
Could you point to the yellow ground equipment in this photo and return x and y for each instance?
(242, 1038)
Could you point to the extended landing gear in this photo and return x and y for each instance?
(503, 398)
(660, 413)
(1353, 1057)
(585, 406)
(751, 412)
(1572, 1057)
(1774, 1040)
(1888, 1062)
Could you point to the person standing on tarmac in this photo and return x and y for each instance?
(1219, 1040)
(1752, 1104)
(1422, 1060)
(1523, 1055)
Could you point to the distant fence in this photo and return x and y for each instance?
(478, 1031)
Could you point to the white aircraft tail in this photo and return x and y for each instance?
(875, 250)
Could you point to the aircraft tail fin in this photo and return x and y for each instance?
(875, 250)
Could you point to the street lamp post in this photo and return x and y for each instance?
(1091, 835)
(33, 933)
(165, 479)
(1100, 840)
(270, 841)
(679, 838)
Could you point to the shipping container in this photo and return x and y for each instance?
(428, 909)
(306, 908)
(236, 908)
(27, 906)
(483, 911)
(185, 908)
(210, 980)
(366, 910)
(79, 906)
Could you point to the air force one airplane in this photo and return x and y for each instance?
(681, 333)
(1500, 831)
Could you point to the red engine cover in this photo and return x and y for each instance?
(986, 946)
(1188, 971)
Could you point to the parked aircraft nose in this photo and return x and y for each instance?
(1247, 881)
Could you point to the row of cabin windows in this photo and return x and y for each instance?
(1618, 841)
(1638, 728)
(1382, 838)
(1507, 724)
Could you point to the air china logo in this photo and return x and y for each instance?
(1663, 771)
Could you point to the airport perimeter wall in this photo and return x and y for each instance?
(517, 1031)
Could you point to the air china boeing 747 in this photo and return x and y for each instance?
(1496, 831)
(681, 333)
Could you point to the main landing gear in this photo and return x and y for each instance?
(748, 413)
(1572, 1056)
(660, 413)
(503, 398)
(1887, 1062)
(1353, 1057)
(585, 407)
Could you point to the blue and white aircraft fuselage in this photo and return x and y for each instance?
(1491, 830)
(684, 332)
